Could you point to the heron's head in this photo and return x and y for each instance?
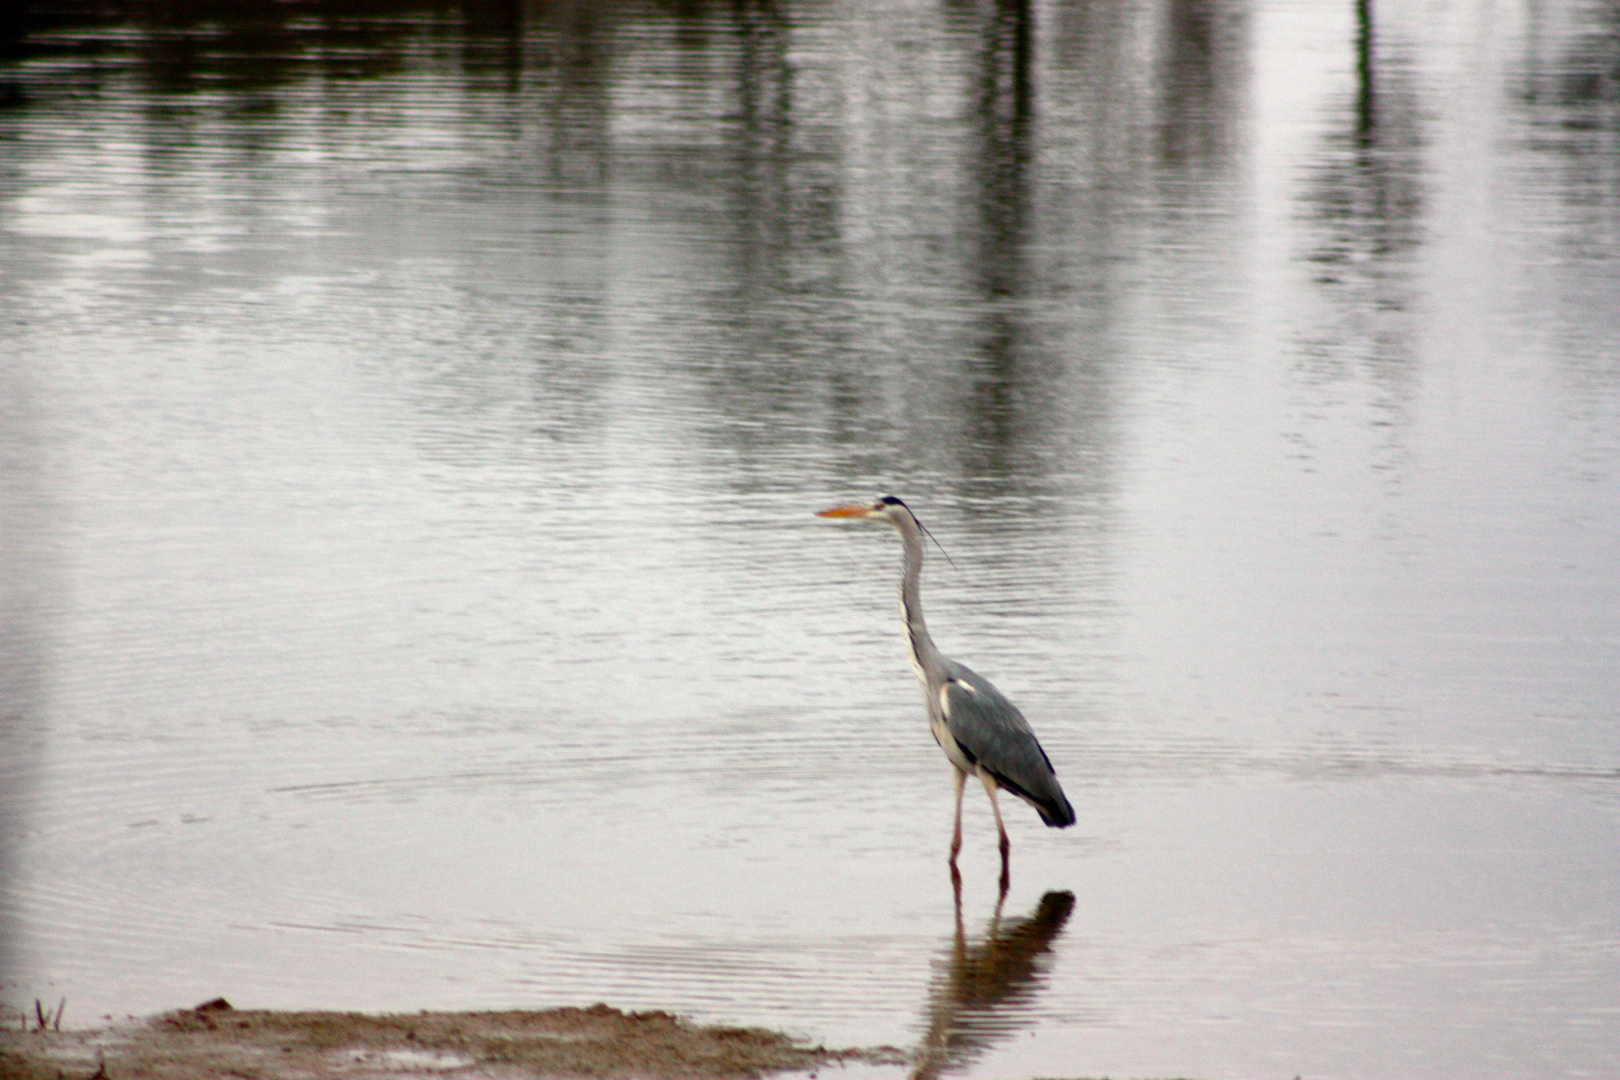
(888, 509)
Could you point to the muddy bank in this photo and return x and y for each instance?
(215, 1040)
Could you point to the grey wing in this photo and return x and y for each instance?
(995, 737)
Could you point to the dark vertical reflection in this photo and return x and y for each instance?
(1201, 79)
(494, 42)
(1367, 194)
(762, 149)
(1366, 201)
(1199, 99)
(575, 53)
(775, 303)
(1569, 91)
(1007, 365)
(1568, 97)
(1005, 117)
(982, 989)
(1366, 95)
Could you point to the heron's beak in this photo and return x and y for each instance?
(844, 511)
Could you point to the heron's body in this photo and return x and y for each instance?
(981, 732)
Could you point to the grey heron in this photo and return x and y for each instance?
(982, 733)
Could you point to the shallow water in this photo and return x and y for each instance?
(413, 425)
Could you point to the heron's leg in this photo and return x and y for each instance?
(956, 837)
(1001, 830)
(956, 894)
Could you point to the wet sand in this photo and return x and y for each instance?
(215, 1040)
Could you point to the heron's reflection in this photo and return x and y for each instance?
(983, 987)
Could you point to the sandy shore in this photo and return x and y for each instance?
(215, 1040)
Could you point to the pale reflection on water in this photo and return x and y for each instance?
(413, 419)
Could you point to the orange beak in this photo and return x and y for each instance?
(843, 511)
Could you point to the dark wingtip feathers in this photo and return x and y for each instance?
(1056, 813)
(1053, 806)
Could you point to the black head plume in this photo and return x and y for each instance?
(891, 500)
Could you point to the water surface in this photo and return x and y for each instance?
(414, 419)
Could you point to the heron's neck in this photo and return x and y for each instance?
(923, 653)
